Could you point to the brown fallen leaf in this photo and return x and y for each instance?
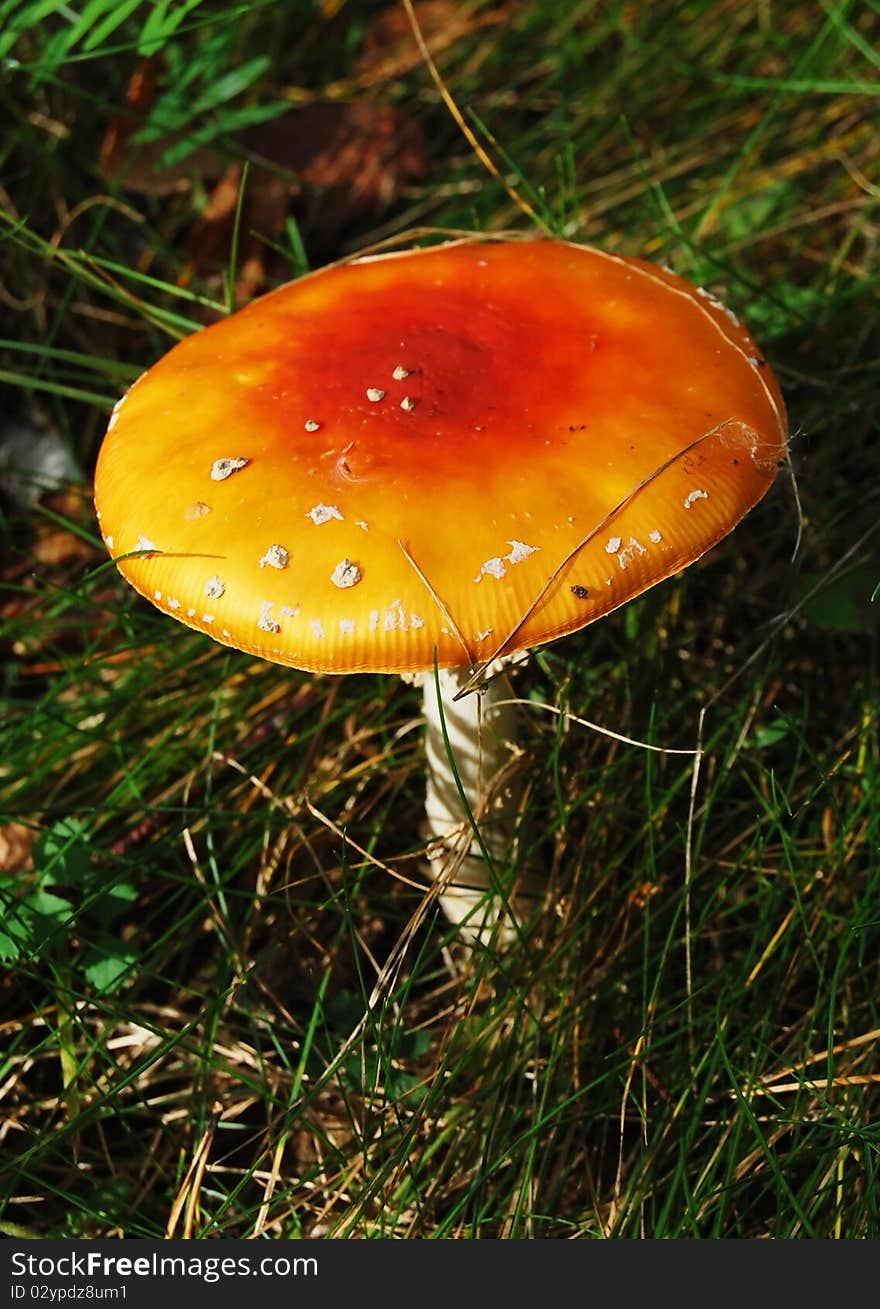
(54, 544)
(332, 163)
(139, 167)
(16, 848)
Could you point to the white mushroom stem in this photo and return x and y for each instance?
(481, 733)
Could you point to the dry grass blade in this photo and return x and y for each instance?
(187, 1199)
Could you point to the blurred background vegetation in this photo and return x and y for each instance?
(217, 1019)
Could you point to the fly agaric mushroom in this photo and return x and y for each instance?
(448, 454)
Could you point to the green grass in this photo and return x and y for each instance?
(218, 1018)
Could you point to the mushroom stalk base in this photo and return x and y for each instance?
(481, 734)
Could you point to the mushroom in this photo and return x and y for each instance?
(424, 462)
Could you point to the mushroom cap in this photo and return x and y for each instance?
(473, 448)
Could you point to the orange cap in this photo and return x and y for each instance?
(475, 447)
